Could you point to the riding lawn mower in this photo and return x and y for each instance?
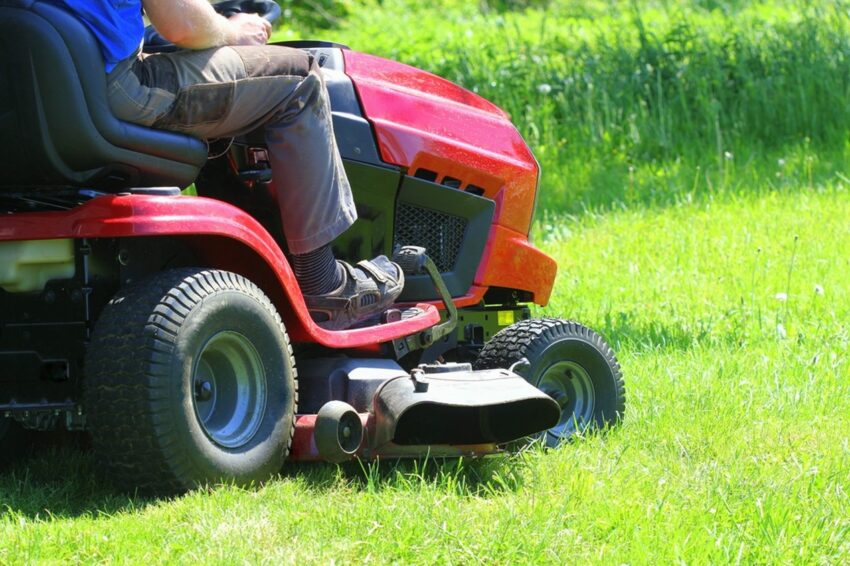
(146, 295)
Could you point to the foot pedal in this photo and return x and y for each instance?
(411, 259)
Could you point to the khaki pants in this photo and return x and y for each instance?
(230, 91)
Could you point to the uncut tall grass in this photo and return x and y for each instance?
(639, 102)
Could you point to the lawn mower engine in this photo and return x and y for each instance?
(169, 325)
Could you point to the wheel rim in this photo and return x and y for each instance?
(229, 389)
(570, 386)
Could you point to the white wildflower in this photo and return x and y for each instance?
(544, 88)
(728, 155)
(818, 290)
(781, 163)
(780, 330)
(781, 297)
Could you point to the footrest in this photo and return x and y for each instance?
(414, 322)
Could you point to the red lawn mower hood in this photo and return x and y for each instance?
(428, 124)
(439, 131)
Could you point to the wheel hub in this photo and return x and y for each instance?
(203, 390)
(230, 389)
(570, 386)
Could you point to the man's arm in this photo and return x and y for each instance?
(194, 24)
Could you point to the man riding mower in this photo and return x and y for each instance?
(170, 326)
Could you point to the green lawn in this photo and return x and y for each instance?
(734, 447)
(700, 217)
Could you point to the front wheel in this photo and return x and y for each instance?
(190, 380)
(570, 363)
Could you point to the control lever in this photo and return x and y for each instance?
(259, 169)
(414, 260)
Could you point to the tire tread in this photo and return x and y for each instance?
(524, 338)
(126, 386)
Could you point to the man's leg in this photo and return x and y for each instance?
(232, 91)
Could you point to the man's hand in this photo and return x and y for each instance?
(194, 24)
(248, 29)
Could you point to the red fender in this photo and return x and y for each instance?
(213, 227)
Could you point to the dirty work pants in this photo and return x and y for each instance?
(230, 91)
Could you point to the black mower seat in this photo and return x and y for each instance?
(56, 127)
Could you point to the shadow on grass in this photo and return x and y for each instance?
(56, 481)
(62, 481)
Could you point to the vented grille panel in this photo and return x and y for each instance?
(439, 233)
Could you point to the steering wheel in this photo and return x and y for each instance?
(268, 9)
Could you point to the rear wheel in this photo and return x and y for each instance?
(570, 363)
(190, 380)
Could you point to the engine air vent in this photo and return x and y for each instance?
(452, 182)
(426, 174)
(439, 233)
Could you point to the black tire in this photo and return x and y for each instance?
(155, 426)
(570, 362)
(13, 441)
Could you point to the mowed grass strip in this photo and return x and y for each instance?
(730, 318)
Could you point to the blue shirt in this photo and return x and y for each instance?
(117, 24)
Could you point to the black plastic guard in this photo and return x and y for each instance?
(461, 407)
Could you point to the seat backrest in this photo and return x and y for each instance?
(56, 127)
